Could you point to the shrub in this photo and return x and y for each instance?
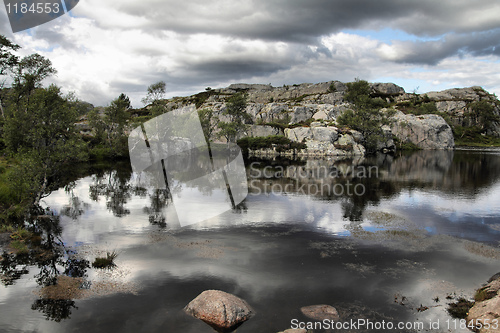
(105, 262)
(460, 308)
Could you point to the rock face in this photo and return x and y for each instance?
(263, 130)
(320, 312)
(223, 311)
(488, 309)
(427, 131)
(326, 141)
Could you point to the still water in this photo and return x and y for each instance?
(387, 238)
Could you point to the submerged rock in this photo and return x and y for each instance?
(222, 311)
(320, 312)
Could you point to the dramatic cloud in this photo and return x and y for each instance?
(106, 48)
(432, 52)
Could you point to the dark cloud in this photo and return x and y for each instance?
(432, 52)
(233, 69)
(299, 21)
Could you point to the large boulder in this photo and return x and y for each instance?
(298, 134)
(222, 311)
(386, 89)
(426, 131)
(487, 307)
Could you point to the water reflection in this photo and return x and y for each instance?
(450, 193)
(52, 259)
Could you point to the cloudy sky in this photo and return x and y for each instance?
(105, 47)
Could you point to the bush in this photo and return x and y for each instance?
(405, 145)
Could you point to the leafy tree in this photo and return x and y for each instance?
(235, 110)
(156, 92)
(47, 139)
(8, 61)
(115, 120)
(483, 114)
(30, 72)
(97, 124)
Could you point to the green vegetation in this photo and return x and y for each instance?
(105, 262)
(405, 145)
(482, 114)
(280, 142)
(235, 111)
(473, 137)
(332, 88)
(460, 308)
(366, 116)
(39, 138)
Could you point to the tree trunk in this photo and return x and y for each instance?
(1, 110)
(42, 189)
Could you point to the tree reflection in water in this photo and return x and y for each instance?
(465, 174)
(48, 253)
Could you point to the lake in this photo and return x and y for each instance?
(385, 239)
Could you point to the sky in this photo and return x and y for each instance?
(106, 47)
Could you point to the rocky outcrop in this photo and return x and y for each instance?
(222, 311)
(487, 307)
(326, 141)
(426, 131)
(274, 108)
(456, 103)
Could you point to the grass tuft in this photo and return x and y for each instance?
(105, 262)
